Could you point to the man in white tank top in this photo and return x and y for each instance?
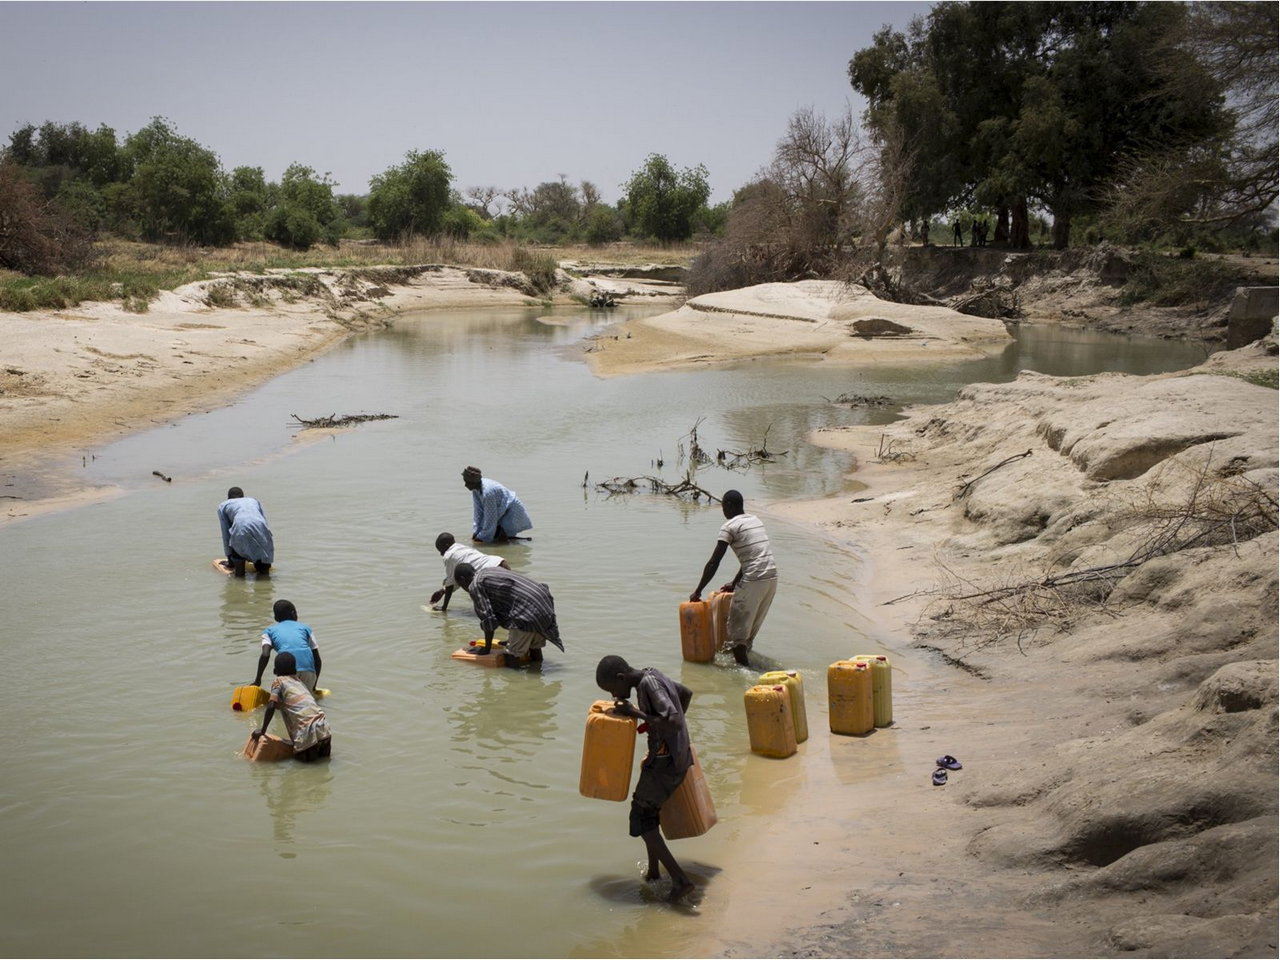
(757, 580)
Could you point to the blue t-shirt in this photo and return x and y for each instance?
(290, 636)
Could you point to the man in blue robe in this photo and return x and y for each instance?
(497, 514)
(245, 534)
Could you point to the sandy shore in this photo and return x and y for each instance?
(1119, 740)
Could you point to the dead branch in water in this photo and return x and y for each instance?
(861, 400)
(733, 459)
(333, 420)
(695, 454)
(685, 488)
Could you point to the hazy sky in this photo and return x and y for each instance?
(512, 93)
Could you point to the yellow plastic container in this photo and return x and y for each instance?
(795, 686)
(696, 640)
(769, 723)
(851, 709)
(494, 658)
(720, 602)
(267, 749)
(249, 698)
(608, 753)
(881, 686)
(689, 811)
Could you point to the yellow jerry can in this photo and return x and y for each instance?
(720, 602)
(608, 753)
(769, 723)
(249, 697)
(851, 710)
(795, 686)
(881, 686)
(268, 748)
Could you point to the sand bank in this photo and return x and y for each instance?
(832, 321)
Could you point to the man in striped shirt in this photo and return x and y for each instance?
(504, 598)
(757, 578)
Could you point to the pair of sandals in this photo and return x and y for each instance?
(945, 763)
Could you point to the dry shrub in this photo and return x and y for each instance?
(36, 236)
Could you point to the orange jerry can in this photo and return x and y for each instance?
(851, 709)
(769, 723)
(795, 686)
(267, 749)
(696, 640)
(608, 753)
(881, 686)
(248, 698)
(720, 602)
(689, 811)
(494, 658)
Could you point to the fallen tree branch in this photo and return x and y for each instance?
(333, 420)
(685, 488)
(965, 489)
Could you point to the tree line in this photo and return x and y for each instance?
(62, 185)
(1140, 122)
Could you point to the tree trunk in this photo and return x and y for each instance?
(1002, 224)
(1061, 231)
(1020, 228)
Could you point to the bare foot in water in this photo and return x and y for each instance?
(679, 891)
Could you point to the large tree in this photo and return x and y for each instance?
(662, 201)
(1008, 103)
(175, 189)
(411, 198)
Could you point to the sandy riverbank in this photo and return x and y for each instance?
(1118, 735)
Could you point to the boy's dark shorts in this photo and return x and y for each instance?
(658, 781)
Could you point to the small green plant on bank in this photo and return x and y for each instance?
(1259, 378)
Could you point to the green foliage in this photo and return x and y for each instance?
(37, 236)
(662, 201)
(411, 198)
(1009, 103)
(176, 191)
(306, 212)
(1177, 281)
(462, 223)
(604, 225)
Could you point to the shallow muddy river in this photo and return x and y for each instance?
(448, 821)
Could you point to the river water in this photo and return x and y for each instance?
(448, 821)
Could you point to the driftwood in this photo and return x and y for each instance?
(333, 420)
(157, 473)
(860, 400)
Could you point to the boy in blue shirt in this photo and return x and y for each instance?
(287, 635)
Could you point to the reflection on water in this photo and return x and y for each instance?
(450, 784)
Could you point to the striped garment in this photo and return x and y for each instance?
(745, 534)
(503, 598)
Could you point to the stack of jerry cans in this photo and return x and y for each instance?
(849, 691)
(689, 811)
(881, 686)
(696, 640)
(608, 752)
(795, 687)
(720, 602)
(769, 723)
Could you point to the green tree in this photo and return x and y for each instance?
(251, 197)
(306, 212)
(662, 201)
(175, 189)
(411, 198)
(1006, 104)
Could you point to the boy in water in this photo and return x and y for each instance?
(660, 706)
(308, 727)
(287, 635)
(455, 553)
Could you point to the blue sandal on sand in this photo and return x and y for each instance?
(939, 777)
(950, 762)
